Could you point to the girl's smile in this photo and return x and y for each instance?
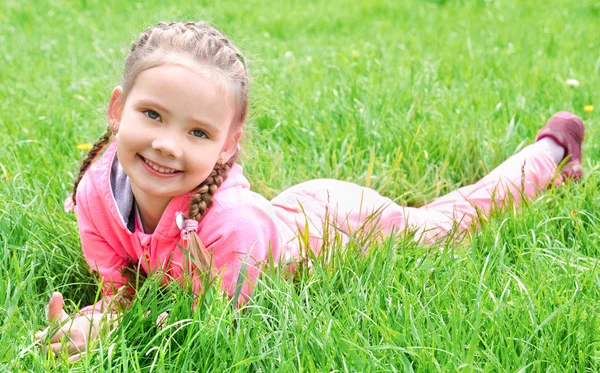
(158, 169)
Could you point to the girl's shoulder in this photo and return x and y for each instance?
(239, 217)
(235, 202)
(235, 193)
(98, 173)
(94, 190)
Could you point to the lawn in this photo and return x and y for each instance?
(411, 97)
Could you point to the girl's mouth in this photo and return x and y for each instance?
(159, 168)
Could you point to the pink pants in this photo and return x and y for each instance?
(330, 206)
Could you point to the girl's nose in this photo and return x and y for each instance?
(167, 145)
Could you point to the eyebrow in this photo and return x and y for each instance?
(153, 103)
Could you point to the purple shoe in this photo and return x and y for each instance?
(566, 129)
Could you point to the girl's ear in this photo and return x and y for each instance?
(231, 145)
(115, 108)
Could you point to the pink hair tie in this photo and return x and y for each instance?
(185, 225)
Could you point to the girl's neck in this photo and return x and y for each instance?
(150, 209)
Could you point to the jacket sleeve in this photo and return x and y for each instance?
(100, 256)
(241, 239)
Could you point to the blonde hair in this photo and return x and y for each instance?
(214, 54)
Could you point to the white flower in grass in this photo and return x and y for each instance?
(572, 82)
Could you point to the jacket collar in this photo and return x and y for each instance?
(167, 227)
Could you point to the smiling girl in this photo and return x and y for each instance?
(169, 179)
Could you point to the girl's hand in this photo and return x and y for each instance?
(71, 334)
(161, 320)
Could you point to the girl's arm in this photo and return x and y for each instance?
(83, 327)
(99, 254)
(241, 238)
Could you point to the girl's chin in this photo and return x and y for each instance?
(144, 191)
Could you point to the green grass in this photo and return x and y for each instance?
(434, 93)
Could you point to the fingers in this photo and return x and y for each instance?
(41, 334)
(66, 346)
(162, 319)
(55, 312)
(69, 335)
(71, 338)
(58, 333)
(75, 357)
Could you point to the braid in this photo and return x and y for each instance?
(100, 143)
(201, 202)
(203, 198)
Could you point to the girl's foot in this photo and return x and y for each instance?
(566, 129)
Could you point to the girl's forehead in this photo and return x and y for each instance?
(192, 64)
(181, 91)
(180, 79)
(169, 63)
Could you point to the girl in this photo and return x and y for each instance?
(169, 179)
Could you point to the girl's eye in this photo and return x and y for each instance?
(198, 133)
(152, 114)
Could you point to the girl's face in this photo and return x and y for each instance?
(172, 128)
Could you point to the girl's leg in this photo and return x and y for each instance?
(524, 174)
(317, 209)
(322, 208)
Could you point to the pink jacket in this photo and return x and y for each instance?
(240, 225)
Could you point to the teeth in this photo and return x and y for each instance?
(158, 168)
